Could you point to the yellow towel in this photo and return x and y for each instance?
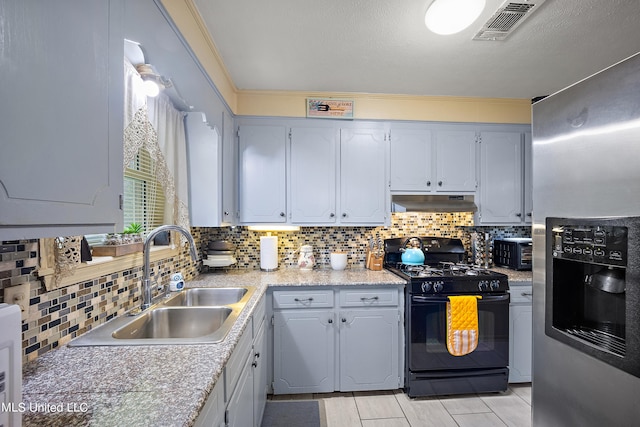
(462, 324)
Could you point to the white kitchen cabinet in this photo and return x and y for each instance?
(303, 342)
(361, 331)
(212, 414)
(528, 179)
(433, 159)
(505, 178)
(363, 176)
(229, 208)
(455, 167)
(246, 374)
(62, 118)
(262, 175)
(411, 159)
(204, 152)
(313, 174)
(520, 334)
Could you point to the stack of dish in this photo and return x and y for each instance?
(220, 253)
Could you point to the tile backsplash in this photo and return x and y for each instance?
(55, 317)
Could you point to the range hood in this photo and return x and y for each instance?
(432, 203)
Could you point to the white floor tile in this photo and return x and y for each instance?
(425, 412)
(386, 422)
(487, 419)
(341, 411)
(522, 390)
(510, 408)
(372, 405)
(467, 404)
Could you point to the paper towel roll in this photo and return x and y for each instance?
(268, 253)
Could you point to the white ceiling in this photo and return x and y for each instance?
(382, 46)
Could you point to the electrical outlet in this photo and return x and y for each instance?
(19, 295)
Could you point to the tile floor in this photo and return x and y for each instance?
(395, 409)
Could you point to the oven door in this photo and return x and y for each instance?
(428, 335)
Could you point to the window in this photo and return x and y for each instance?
(144, 196)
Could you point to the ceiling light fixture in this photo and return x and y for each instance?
(446, 17)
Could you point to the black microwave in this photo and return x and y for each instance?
(514, 253)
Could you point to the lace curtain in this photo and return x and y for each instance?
(155, 125)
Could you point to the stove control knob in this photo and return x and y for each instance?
(495, 285)
(483, 285)
(438, 286)
(426, 287)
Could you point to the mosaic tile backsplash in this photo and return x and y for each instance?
(56, 317)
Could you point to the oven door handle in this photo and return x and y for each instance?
(485, 298)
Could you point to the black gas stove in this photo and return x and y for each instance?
(430, 369)
(444, 271)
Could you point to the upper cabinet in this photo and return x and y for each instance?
(326, 174)
(62, 118)
(313, 174)
(262, 156)
(211, 172)
(363, 182)
(433, 159)
(505, 174)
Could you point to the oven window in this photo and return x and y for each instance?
(429, 334)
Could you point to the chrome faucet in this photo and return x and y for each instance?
(146, 281)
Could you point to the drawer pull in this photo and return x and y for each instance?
(365, 299)
(303, 300)
(330, 321)
(526, 294)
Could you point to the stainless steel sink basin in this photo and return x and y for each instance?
(197, 297)
(192, 316)
(175, 322)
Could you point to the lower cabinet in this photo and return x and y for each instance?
(328, 340)
(246, 375)
(520, 334)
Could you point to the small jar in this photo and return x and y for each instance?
(306, 260)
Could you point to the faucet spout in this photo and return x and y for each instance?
(146, 279)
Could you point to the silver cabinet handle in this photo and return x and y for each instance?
(330, 320)
(344, 215)
(440, 183)
(526, 294)
(364, 299)
(281, 213)
(303, 299)
(428, 183)
(331, 215)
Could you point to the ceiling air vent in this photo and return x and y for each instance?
(506, 19)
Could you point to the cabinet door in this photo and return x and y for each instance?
(229, 172)
(363, 183)
(240, 407)
(303, 351)
(62, 118)
(455, 160)
(262, 151)
(411, 160)
(520, 343)
(204, 153)
(501, 178)
(260, 362)
(313, 175)
(369, 349)
(528, 178)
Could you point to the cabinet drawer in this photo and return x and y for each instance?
(236, 362)
(369, 297)
(521, 294)
(303, 299)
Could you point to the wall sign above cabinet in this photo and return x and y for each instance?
(330, 108)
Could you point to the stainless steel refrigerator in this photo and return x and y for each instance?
(586, 237)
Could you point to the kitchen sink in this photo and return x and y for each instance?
(196, 297)
(192, 316)
(175, 322)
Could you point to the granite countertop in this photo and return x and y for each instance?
(154, 385)
(516, 278)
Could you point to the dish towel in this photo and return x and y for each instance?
(462, 324)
